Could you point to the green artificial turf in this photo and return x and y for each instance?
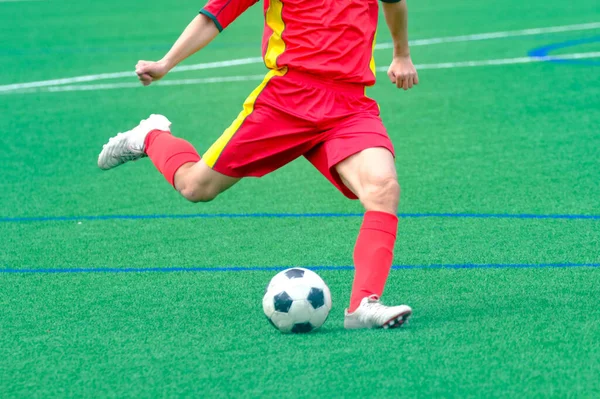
(502, 306)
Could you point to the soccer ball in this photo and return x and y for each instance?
(297, 300)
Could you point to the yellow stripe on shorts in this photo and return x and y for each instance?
(212, 155)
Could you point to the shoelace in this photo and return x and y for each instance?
(128, 157)
(377, 308)
(119, 137)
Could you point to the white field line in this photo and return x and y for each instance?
(496, 35)
(258, 60)
(115, 75)
(179, 82)
(444, 65)
(502, 61)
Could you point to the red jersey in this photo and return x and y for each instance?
(332, 39)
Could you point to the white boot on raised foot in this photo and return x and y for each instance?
(129, 146)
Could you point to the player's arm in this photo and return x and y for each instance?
(402, 72)
(213, 18)
(201, 31)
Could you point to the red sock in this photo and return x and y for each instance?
(169, 153)
(373, 255)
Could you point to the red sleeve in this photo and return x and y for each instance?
(224, 12)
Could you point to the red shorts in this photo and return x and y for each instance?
(294, 114)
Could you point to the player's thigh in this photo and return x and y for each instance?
(361, 155)
(369, 172)
(259, 143)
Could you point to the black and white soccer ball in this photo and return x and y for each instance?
(297, 300)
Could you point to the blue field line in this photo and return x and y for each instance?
(279, 268)
(544, 51)
(286, 215)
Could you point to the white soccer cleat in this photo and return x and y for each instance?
(129, 146)
(372, 314)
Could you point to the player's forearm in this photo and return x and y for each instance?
(197, 35)
(396, 17)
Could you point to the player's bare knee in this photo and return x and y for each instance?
(198, 192)
(381, 193)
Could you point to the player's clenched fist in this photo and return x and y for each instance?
(150, 71)
(402, 73)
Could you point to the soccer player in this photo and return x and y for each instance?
(311, 103)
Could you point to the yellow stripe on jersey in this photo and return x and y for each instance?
(276, 45)
(372, 65)
(212, 155)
